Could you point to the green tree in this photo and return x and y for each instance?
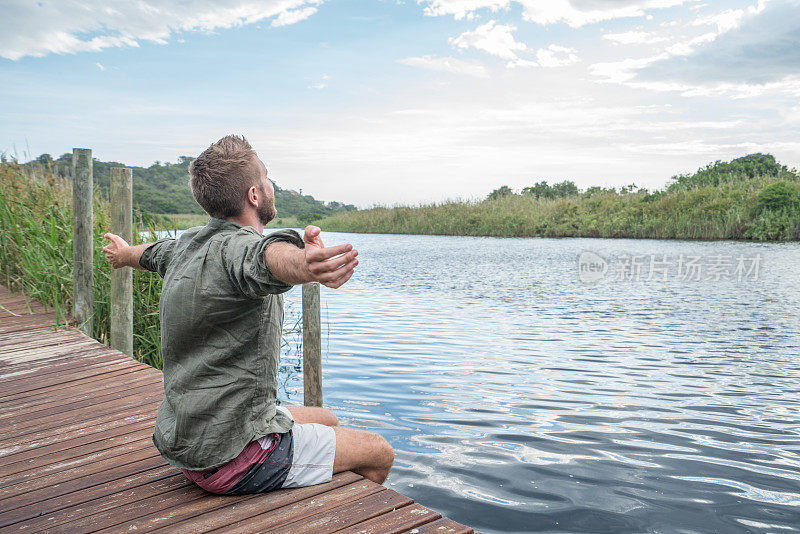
(779, 195)
(500, 192)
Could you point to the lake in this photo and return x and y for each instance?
(652, 389)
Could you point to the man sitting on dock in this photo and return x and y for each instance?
(221, 314)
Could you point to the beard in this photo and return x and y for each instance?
(267, 211)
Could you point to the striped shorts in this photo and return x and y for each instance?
(301, 457)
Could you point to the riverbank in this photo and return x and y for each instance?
(751, 198)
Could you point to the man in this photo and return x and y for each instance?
(221, 314)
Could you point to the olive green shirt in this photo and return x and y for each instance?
(221, 314)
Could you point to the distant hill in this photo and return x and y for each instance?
(163, 188)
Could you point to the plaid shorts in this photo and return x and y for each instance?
(301, 457)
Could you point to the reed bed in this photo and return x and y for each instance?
(725, 211)
(36, 256)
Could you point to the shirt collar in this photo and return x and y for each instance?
(220, 224)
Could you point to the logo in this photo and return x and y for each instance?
(591, 267)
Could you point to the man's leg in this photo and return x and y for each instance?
(311, 414)
(362, 452)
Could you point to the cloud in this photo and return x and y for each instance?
(446, 64)
(462, 8)
(634, 37)
(322, 84)
(574, 13)
(41, 28)
(763, 49)
(492, 38)
(498, 40)
(556, 56)
(290, 17)
(100, 66)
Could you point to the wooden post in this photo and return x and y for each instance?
(82, 228)
(312, 346)
(122, 279)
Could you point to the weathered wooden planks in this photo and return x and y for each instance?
(76, 452)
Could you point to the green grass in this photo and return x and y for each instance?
(761, 208)
(36, 256)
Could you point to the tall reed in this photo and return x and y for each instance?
(36, 255)
(724, 211)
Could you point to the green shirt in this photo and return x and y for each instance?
(221, 313)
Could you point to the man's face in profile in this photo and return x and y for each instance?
(266, 209)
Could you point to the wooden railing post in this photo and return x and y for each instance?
(82, 228)
(312, 346)
(122, 279)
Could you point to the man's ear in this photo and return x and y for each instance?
(252, 196)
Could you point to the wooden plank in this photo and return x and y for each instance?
(41, 337)
(19, 324)
(99, 474)
(37, 402)
(221, 517)
(101, 411)
(350, 513)
(394, 521)
(142, 442)
(18, 356)
(21, 384)
(106, 390)
(47, 437)
(79, 471)
(61, 364)
(130, 511)
(61, 519)
(28, 514)
(56, 383)
(303, 509)
(35, 459)
(443, 526)
(19, 359)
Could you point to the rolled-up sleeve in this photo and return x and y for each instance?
(156, 257)
(243, 258)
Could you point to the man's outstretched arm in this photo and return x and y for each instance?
(330, 266)
(121, 254)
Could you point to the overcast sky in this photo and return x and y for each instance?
(405, 102)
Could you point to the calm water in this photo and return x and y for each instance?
(520, 399)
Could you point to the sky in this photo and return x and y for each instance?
(404, 102)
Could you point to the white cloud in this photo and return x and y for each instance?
(493, 38)
(100, 66)
(574, 13)
(446, 64)
(498, 40)
(752, 52)
(41, 28)
(634, 37)
(462, 8)
(556, 56)
(322, 84)
(290, 17)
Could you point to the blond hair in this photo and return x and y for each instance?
(221, 176)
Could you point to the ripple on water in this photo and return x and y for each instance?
(520, 400)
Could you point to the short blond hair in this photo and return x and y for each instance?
(221, 176)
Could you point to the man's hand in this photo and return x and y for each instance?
(117, 252)
(331, 266)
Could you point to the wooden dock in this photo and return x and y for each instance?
(76, 455)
